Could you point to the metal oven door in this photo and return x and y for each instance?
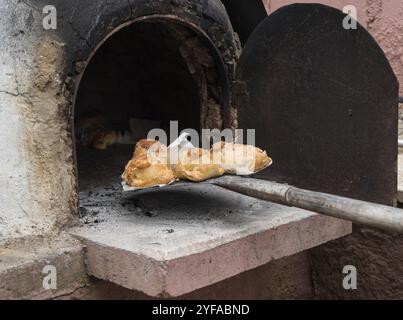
(323, 101)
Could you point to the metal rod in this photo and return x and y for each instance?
(359, 212)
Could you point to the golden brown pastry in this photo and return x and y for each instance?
(144, 145)
(196, 165)
(103, 139)
(239, 159)
(149, 166)
(92, 120)
(93, 131)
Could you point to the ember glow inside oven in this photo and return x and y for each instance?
(142, 77)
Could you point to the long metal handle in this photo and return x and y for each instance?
(360, 212)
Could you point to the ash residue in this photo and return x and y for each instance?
(97, 204)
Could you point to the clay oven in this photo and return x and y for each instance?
(322, 99)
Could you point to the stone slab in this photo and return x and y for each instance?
(22, 264)
(188, 237)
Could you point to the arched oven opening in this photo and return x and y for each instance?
(143, 76)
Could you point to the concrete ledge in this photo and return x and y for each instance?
(197, 236)
(22, 263)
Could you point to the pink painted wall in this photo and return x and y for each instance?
(382, 18)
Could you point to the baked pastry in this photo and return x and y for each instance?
(195, 165)
(103, 139)
(154, 146)
(149, 166)
(239, 159)
(94, 131)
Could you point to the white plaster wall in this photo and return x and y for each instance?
(16, 214)
(25, 208)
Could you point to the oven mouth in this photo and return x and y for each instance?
(145, 74)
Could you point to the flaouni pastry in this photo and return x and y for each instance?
(155, 164)
(239, 159)
(195, 165)
(94, 131)
(149, 166)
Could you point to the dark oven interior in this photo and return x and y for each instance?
(142, 77)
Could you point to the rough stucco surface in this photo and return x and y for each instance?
(377, 255)
(385, 23)
(22, 265)
(36, 177)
